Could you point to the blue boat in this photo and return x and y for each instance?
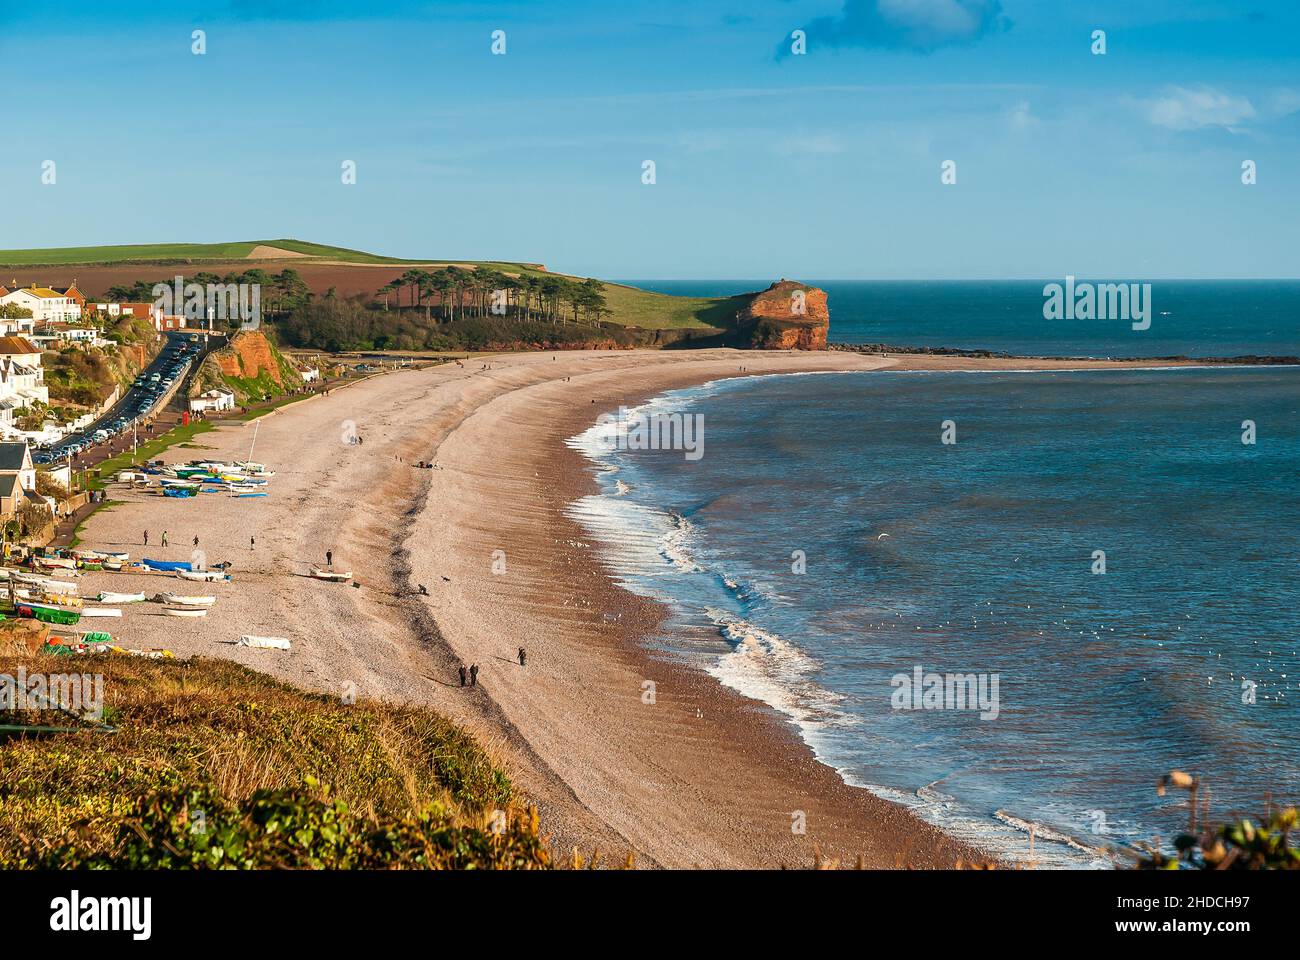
(167, 564)
(179, 491)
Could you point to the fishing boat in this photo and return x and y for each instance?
(266, 643)
(101, 612)
(210, 576)
(114, 565)
(41, 595)
(121, 556)
(107, 597)
(46, 614)
(186, 611)
(45, 583)
(169, 565)
(178, 483)
(186, 601)
(332, 576)
(55, 563)
(180, 491)
(91, 565)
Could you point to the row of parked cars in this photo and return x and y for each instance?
(145, 392)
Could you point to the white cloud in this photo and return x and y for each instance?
(1184, 108)
(1021, 117)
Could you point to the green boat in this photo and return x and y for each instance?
(37, 611)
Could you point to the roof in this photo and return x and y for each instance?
(9, 486)
(13, 456)
(10, 345)
(45, 293)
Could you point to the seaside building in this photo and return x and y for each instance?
(17, 478)
(46, 305)
(212, 400)
(22, 375)
(52, 333)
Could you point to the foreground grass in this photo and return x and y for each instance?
(215, 765)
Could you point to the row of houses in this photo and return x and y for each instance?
(64, 314)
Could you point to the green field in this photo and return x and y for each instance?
(197, 252)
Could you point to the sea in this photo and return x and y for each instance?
(1010, 601)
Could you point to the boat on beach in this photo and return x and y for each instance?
(186, 601)
(208, 576)
(167, 565)
(46, 614)
(101, 612)
(186, 611)
(180, 491)
(331, 575)
(264, 643)
(108, 597)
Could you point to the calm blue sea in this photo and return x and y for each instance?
(1191, 318)
(978, 557)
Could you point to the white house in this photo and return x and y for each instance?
(309, 374)
(22, 375)
(66, 333)
(46, 305)
(212, 400)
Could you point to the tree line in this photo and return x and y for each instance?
(457, 293)
(281, 292)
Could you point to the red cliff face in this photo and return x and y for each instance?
(248, 355)
(788, 316)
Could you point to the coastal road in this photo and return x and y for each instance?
(178, 358)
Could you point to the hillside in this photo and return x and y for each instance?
(180, 253)
(654, 319)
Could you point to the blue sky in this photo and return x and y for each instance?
(825, 165)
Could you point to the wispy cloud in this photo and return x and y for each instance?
(1187, 108)
(918, 25)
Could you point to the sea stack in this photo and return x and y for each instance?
(787, 316)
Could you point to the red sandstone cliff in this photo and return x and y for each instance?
(248, 356)
(787, 316)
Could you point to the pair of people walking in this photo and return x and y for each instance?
(471, 674)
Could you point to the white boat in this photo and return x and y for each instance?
(46, 583)
(116, 555)
(205, 576)
(267, 643)
(331, 575)
(186, 601)
(107, 597)
(100, 612)
(186, 611)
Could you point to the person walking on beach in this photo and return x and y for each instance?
(523, 657)
(196, 539)
(473, 675)
(146, 538)
(164, 539)
(329, 559)
(252, 543)
(462, 674)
